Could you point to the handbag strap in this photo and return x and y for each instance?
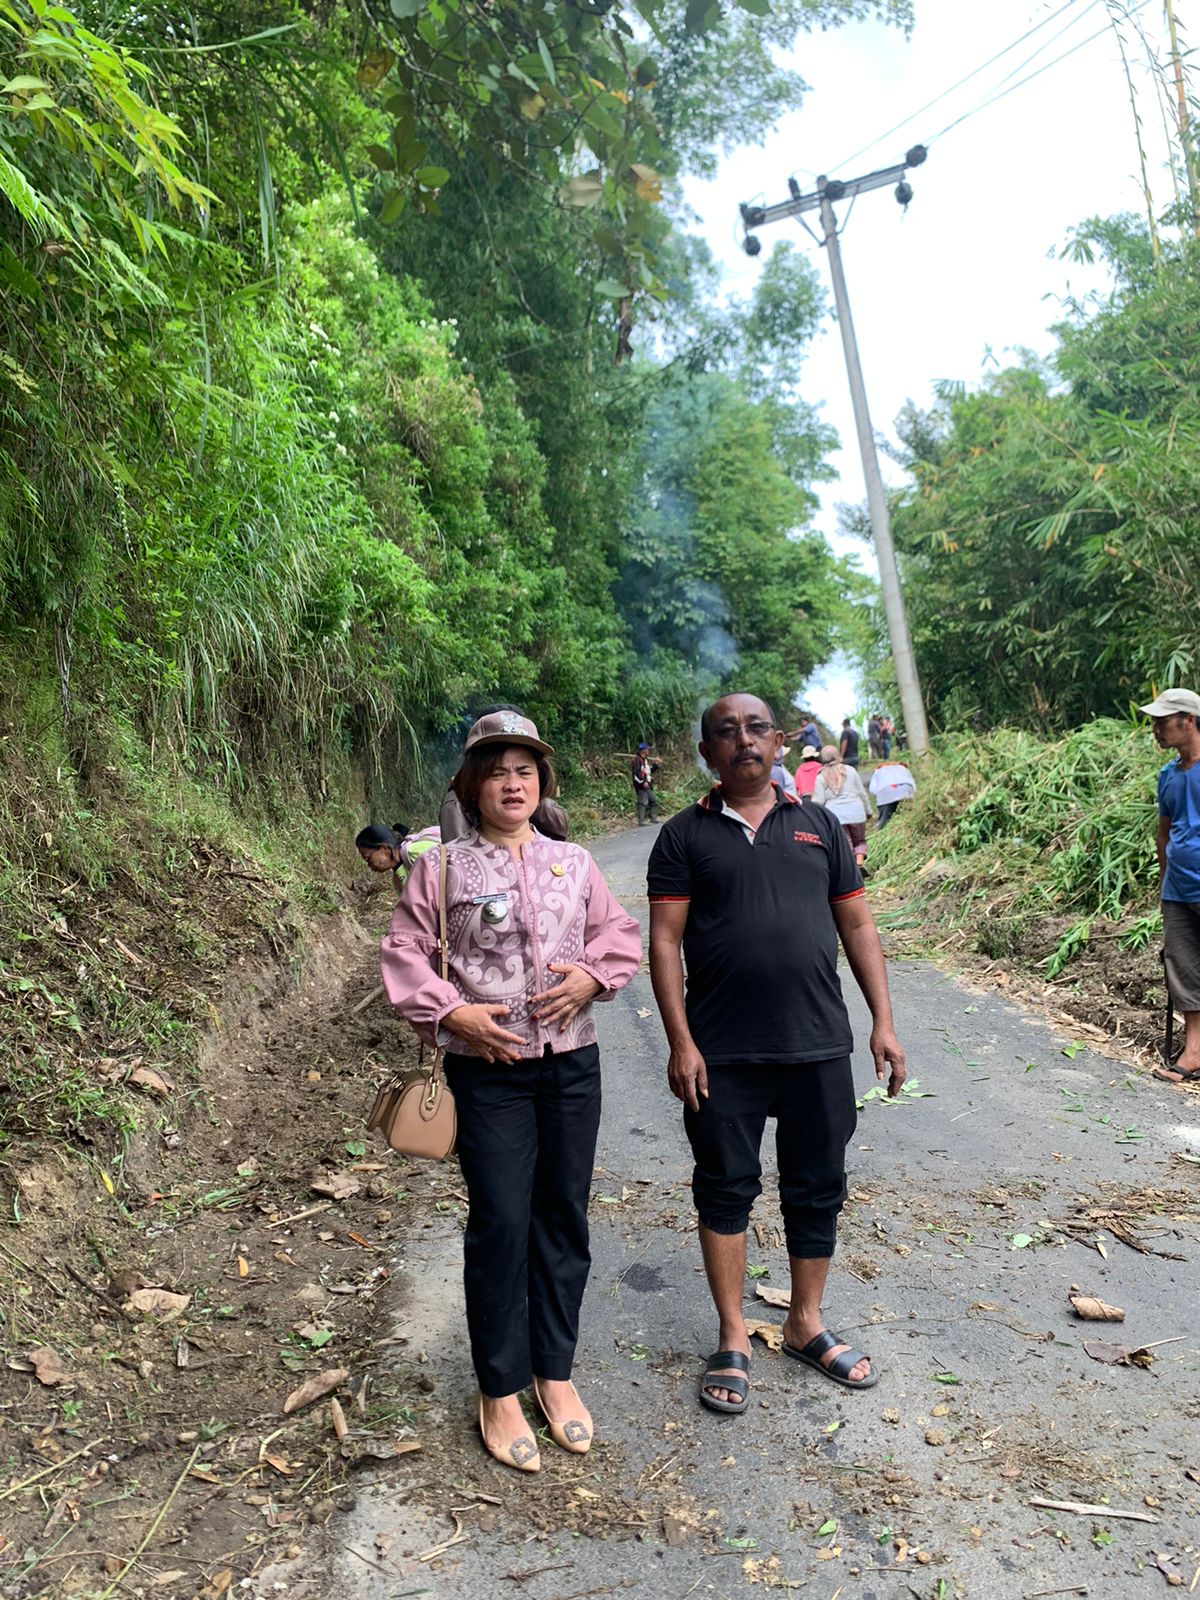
(435, 1070)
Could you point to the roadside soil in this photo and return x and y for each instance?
(147, 1451)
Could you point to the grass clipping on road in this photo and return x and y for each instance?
(1035, 852)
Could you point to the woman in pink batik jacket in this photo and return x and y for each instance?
(534, 938)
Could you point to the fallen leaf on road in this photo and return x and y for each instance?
(337, 1186)
(771, 1333)
(773, 1297)
(1091, 1309)
(217, 1585)
(160, 1580)
(315, 1388)
(1163, 1563)
(1124, 1355)
(47, 1366)
(674, 1531)
(158, 1302)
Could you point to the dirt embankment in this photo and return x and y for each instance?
(143, 1442)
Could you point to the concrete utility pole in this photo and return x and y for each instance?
(828, 190)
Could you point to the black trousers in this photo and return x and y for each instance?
(814, 1110)
(887, 811)
(527, 1144)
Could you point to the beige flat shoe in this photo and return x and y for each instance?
(575, 1434)
(522, 1453)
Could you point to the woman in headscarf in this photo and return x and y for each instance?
(840, 789)
(534, 937)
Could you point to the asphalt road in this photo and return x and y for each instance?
(972, 1214)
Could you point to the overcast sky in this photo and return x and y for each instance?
(973, 265)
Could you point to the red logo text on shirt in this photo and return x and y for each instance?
(808, 838)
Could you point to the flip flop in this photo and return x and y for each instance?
(714, 1377)
(1173, 1075)
(840, 1366)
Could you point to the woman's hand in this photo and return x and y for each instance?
(562, 1002)
(476, 1025)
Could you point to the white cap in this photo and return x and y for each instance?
(1173, 702)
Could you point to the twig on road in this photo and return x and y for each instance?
(534, 1572)
(1079, 1510)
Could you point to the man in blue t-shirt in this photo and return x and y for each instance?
(1176, 719)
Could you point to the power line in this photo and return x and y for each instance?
(991, 101)
(974, 73)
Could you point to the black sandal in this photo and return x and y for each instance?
(840, 1367)
(715, 1378)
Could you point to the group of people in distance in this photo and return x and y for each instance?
(757, 1029)
(831, 776)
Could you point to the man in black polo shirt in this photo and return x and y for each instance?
(757, 888)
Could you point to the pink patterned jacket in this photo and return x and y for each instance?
(551, 905)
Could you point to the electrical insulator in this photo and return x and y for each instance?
(915, 156)
(903, 192)
(752, 244)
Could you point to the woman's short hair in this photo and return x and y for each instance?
(479, 764)
(377, 835)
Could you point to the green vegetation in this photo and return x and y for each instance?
(1047, 542)
(1008, 831)
(320, 427)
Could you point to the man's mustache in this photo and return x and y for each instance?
(748, 755)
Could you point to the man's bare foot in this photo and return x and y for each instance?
(729, 1338)
(800, 1333)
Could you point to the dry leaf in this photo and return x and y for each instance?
(830, 1553)
(1163, 1563)
(48, 1367)
(160, 1580)
(243, 1267)
(337, 1186)
(1091, 1309)
(771, 1333)
(217, 1585)
(674, 1531)
(1124, 1355)
(406, 1448)
(279, 1464)
(645, 1011)
(203, 1474)
(315, 1388)
(157, 1082)
(773, 1297)
(158, 1302)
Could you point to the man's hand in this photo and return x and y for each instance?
(887, 1051)
(566, 998)
(687, 1075)
(475, 1025)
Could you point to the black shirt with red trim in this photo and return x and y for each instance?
(760, 943)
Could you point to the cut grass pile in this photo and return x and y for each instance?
(1008, 831)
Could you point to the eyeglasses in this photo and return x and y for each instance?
(730, 730)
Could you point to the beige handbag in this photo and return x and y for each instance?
(416, 1115)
